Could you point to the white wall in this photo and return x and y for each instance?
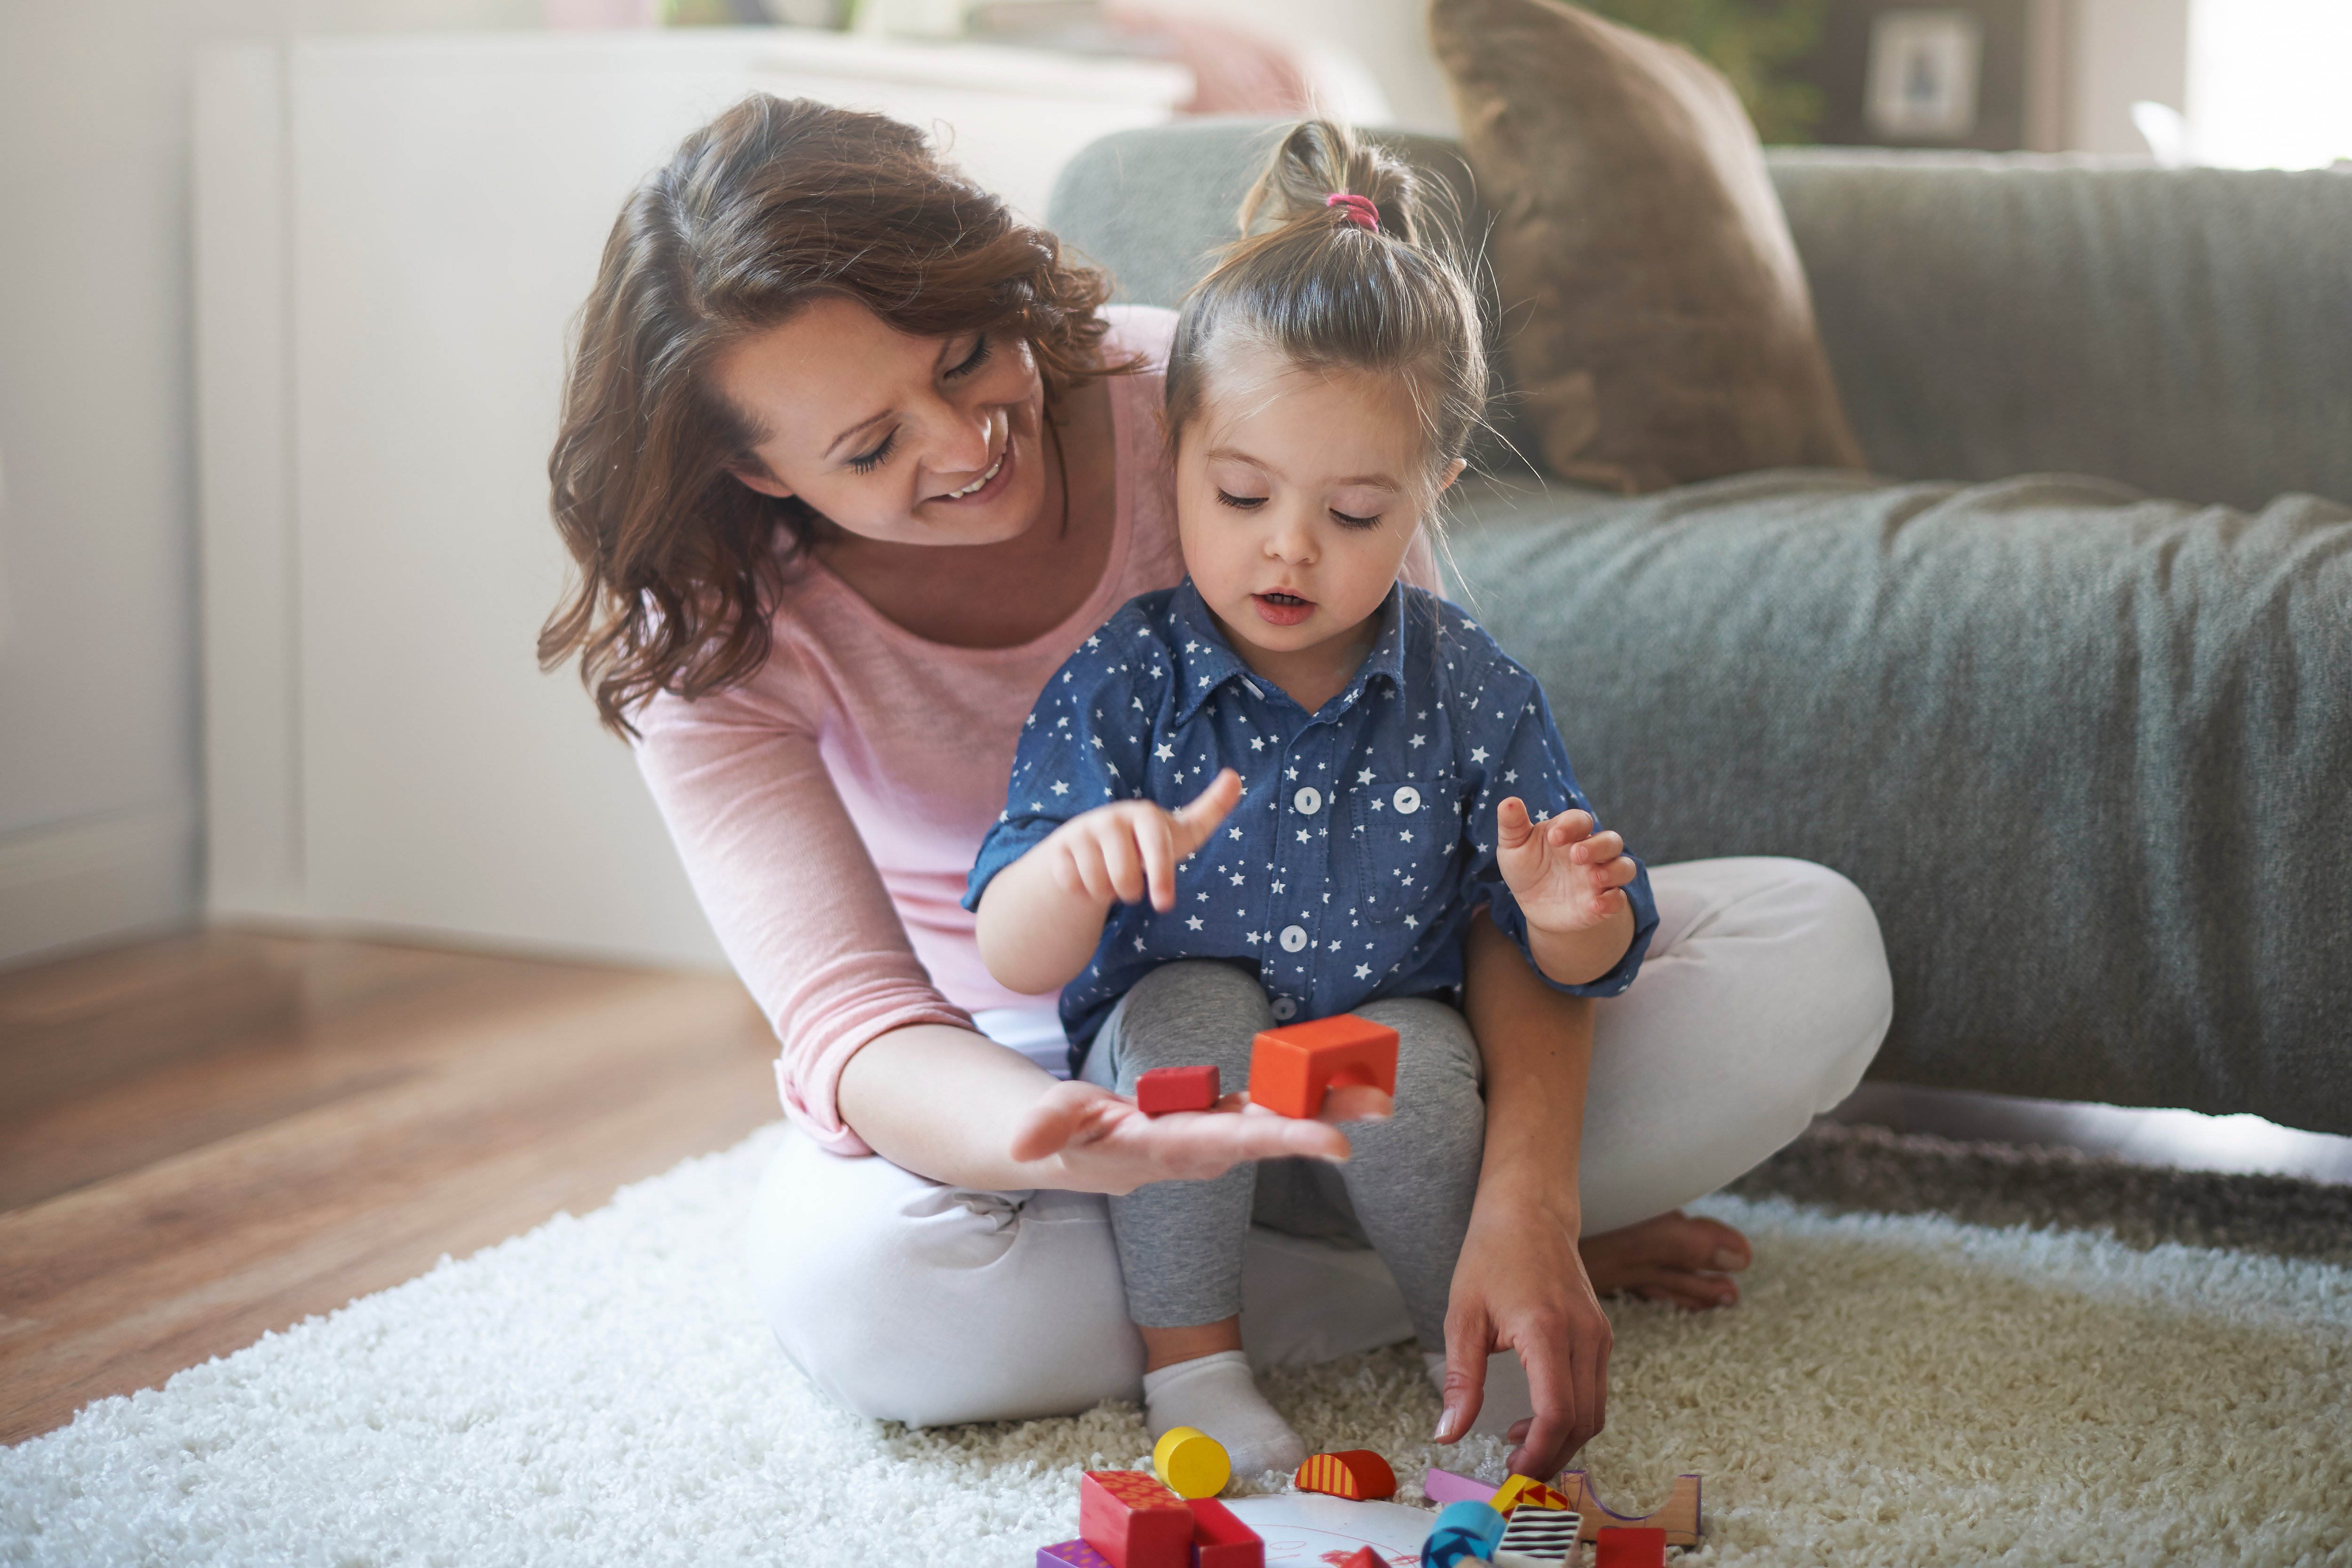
(99, 806)
(2118, 52)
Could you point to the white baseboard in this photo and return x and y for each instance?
(76, 882)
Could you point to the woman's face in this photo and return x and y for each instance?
(925, 440)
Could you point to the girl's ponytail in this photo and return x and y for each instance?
(1318, 160)
(1315, 282)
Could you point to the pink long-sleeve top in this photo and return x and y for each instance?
(829, 808)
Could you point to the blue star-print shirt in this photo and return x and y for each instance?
(1365, 834)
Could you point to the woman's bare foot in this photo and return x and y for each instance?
(1672, 1258)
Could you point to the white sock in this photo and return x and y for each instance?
(1216, 1394)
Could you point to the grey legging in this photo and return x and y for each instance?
(1407, 1189)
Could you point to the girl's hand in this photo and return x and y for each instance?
(1566, 877)
(1120, 852)
(1104, 1144)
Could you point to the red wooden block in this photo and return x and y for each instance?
(1626, 1546)
(1358, 1474)
(1166, 1088)
(1365, 1557)
(1291, 1067)
(1131, 1519)
(1221, 1540)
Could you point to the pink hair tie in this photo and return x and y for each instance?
(1359, 209)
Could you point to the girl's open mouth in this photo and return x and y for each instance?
(1282, 609)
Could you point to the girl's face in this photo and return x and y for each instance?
(925, 440)
(1297, 494)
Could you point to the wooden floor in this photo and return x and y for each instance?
(208, 1136)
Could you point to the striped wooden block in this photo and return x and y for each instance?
(1359, 1475)
(1537, 1537)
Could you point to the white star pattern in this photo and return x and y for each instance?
(1346, 747)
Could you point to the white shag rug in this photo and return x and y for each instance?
(1892, 1390)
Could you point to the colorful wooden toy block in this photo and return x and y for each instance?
(1629, 1546)
(1191, 1463)
(1132, 1519)
(1535, 1537)
(1292, 1067)
(1464, 1532)
(1071, 1554)
(1526, 1492)
(1221, 1540)
(1359, 1475)
(1443, 1487)
(1166, 1088)
(1678, 1517)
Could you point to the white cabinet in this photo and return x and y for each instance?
(391, 237)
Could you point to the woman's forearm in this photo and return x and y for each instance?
(945, 1103)
(1535, 1045)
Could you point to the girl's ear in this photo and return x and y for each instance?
(754, 473)
(1453, 472)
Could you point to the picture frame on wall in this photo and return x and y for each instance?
(1926, 73)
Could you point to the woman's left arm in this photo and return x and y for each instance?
(1520, 1284)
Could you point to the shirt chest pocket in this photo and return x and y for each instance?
(1406, 835)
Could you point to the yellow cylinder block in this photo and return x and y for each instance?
(1191, 1463)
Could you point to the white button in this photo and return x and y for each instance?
(1294, 938)
(1284, 1008)
(1406, 800)
(1307, 801)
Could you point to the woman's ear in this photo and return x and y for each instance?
(754, 475)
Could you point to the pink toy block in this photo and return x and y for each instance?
(1444, 1486)
(1166, 1088)
(1071, 1554)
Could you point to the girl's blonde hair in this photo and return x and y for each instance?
(1312, 281)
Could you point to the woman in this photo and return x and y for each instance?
(851, 460)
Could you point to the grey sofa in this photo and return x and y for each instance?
(2066, 689)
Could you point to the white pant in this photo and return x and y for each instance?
(1764, 996)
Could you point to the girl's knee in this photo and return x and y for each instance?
(1186, 1013)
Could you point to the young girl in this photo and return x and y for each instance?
(1280, 791)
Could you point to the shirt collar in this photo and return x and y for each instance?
(1204, 661)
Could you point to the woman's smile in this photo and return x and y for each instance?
(990, 485)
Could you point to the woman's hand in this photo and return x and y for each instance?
(1102, 1143)
(1521, 1285)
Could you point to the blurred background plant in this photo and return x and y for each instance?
(1759, 45)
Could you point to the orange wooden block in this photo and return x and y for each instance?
(1359, 1475)
(1292, 1067)
(1678, 1517)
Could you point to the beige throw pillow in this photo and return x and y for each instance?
(1656, 322)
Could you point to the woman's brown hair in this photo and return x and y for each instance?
(775, 201)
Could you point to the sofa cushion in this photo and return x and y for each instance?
(1658, 328)
(2088, 753)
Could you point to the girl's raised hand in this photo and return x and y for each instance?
(1121, 852)
(1566, 877)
